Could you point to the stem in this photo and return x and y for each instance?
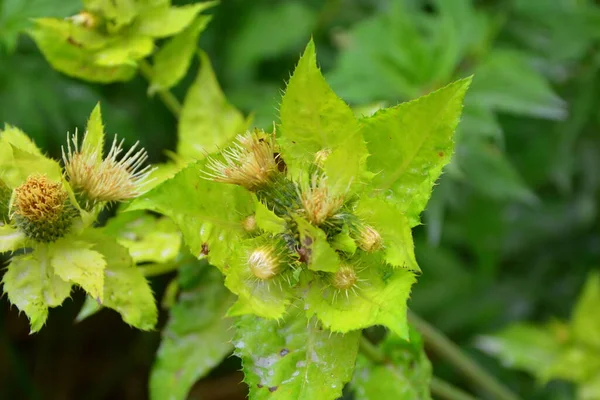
(439, 387)
(445, 348)
(166, 96)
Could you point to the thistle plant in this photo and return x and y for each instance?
(311, 225)
(48, 222)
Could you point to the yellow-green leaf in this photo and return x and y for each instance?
(163, 20)
(11, 239)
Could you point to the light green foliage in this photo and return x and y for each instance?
(173, 59)
(267, 220)
(94, 134)
(322, 257)
(378, 298)
(207, 213)
(197, 336)
(11, 239)
(148, 239)
(163, 21)
(294, 358)
(32, 285)
(75, 262)
(569, 351)
(405, 375)
(410, 144)
(207, 122)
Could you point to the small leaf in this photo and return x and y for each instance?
(90, 307)
(172, 61)
(320, 254)
(294, 358)
(75, 262)
(162, 21)
(585, 323)
(93, 141)
(196, 337)
(379, 298)
(125, 50)
(313, 118)
(11, 239)
(267, 220)
(208, 122)
(411, 143)
(32, 286)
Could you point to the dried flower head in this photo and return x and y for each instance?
(318, 202)
(111, 179)
(42, 210)
(369, 239)
(248, 162)
(265, 262)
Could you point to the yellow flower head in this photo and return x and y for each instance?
(112, 179)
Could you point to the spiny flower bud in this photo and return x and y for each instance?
(250, 162)
(108, 180)
(318, 202)
(344, 278)
(321, 156)
(368, 239)
(266, 262)
(42, 210)
(249, 223)
(5, 193)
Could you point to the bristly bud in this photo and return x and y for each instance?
(41, 209)
(249, 223)
(266, 262)
(318, 202)
(5, 194)
(108, 180)
(321, 156)
(368, 239)
(249, 162)
(344, 278)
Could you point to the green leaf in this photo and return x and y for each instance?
(125, 288)
(90, 307)
(172, 61)
(119, 13)
(163, 20)
(394, 229)
(11, 239)
(585, 323)
(406, 376)
(31, 285)
(321, 256)
(75, 61)
(267, 220)
(196, 337)
(313, 118)
(208, 122)
(524, 346)
(19, 139)
(93, 141)
(379, 298)
(411, 143)
(75, 262)
(294, 358)
(124, 50)
(209, 214)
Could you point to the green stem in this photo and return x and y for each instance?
(439, 343)
(166, 96)
(439, 387)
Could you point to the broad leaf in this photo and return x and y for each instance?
(33, 287)
(124, 50)
(75, 262)
(197, 336)
(207, 122)
(163, 20)
(294, 358)
(173, 59)
(411, 143)
(267, 220)
(320, 254)
(11, 239)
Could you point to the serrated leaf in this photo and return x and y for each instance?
(196, 338)
(313, 118)
(75, 61)
(11, 239)
(209, 214)
(208, 122)
(19, 139)
(410, 144)
(163, 20)
(585, 323)
(406, 376)
(294, 358)
(267, 220)
(379, 298)
(394, 229)
(124, 50)
(75, 262)
(94, 134)
(320, 254)
(172, 61)
(32, 286)
(125, 288)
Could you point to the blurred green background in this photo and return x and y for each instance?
(512, 228)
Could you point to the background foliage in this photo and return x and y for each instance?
(510, 234)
